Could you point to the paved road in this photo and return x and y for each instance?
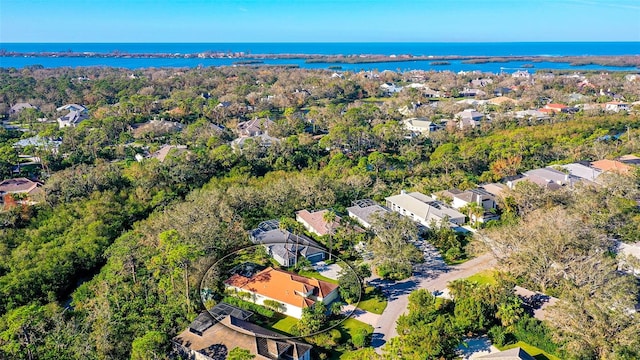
(433, 275)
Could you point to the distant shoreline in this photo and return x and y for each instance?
(603, 60)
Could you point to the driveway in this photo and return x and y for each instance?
(361, 315)
(330, 271)
(433, 275)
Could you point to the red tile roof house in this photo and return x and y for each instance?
(555, 107)
(23, 187)
(315, 223)
(293, 291)
(606, 165)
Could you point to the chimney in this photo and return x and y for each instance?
(403, 192)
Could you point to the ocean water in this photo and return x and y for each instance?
(417, 49)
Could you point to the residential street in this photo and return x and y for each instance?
(432, 275)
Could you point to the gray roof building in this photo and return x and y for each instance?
(213, 339)
(363, 210)
(19, 107)
(582, 171)
(284, 246)
(550, 175)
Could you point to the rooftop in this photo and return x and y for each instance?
(611, 165)
(283, 286)
(316, 221)
(217, 339)
(364, 209)
(582, 171)
(282, 241)
(423, 206)
(495, 189)
(629, 159)
(18, 185)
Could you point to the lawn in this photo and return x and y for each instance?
(532, 350)
(284, 325)
(484, 277)
(372, 301)
(351, 326)
(315, 275)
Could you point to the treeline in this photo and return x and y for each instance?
(150, 280)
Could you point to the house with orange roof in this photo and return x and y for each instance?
(606, 165)
(555, 107)
(292, 291)
(315, 223)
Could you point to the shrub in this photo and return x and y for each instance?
(536, 333)
(248, 306)
(360, 339)
(500, 336)
(394, 271)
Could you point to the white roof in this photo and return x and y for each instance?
(582, 171)
(424, 206)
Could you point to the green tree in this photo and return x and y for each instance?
(393, 248)
(350, 287)
(313, 319)
(240, 354)
(151, 346)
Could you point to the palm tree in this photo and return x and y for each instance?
(473, 211)
(336, 308)
(329, 217)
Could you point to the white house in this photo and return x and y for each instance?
(424, 209)
(483, 198)
(77, 113)
(521, 74)
(616, 106)
(292, 291)
(420, 126)
(469, 117)
(390, 88)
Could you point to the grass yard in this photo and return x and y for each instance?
(284, 325)
(539, 354)
(315, 275)
(372, 301)
(484, 277)
(351, 326)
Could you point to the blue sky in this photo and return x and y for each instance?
(318, 21)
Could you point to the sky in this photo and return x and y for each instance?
(318, 21)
